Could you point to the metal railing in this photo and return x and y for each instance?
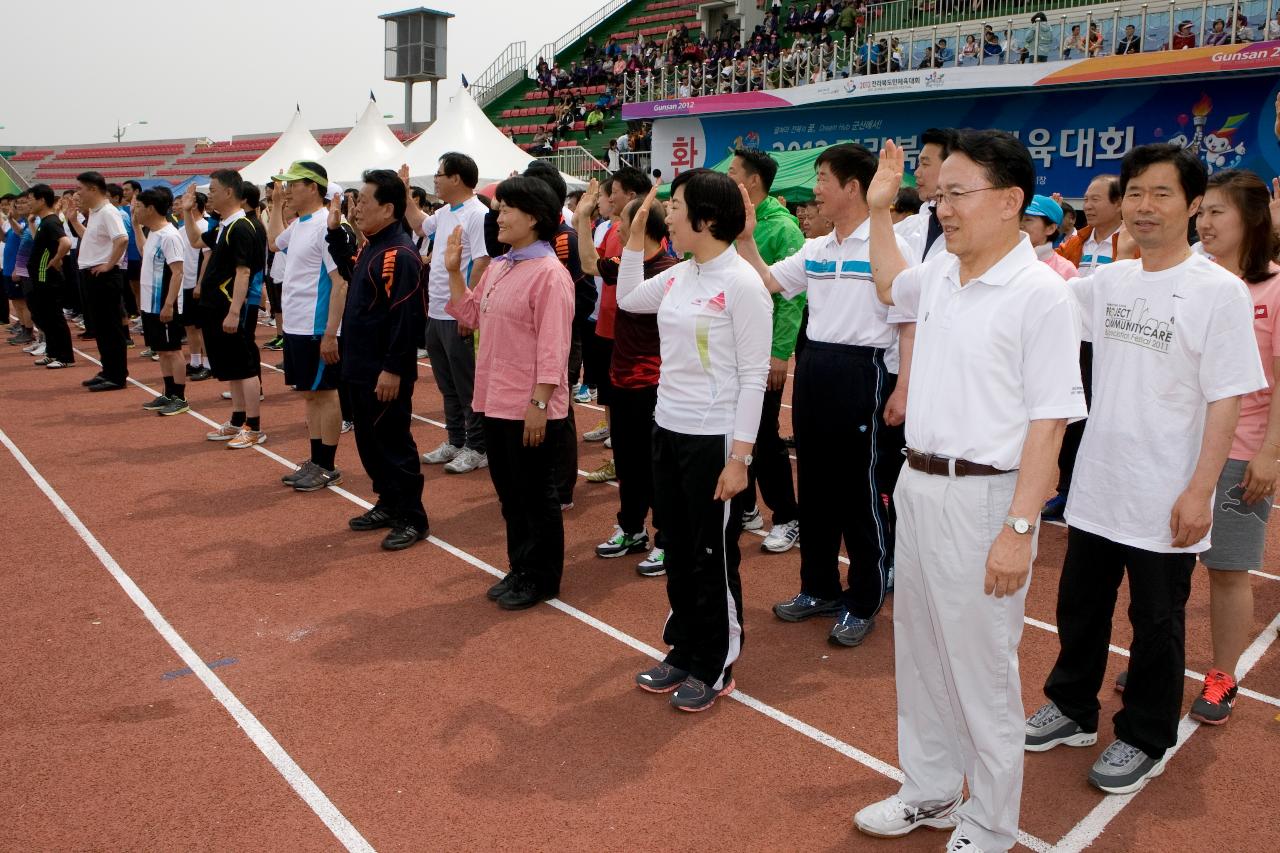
(579, 161)
(505, 71)
(549, 52)
(906, 14)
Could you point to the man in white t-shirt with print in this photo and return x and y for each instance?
(1173, 352)
(451, 347)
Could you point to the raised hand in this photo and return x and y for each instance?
(749, 226)
(638, 222)
(884, 187)
(453, 251)
(335, 211)
(189, 199)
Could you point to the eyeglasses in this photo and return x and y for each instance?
(953, 196)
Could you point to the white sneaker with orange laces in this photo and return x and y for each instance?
(246, 438)
(226, 432)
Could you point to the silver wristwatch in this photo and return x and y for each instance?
(1018, 525)
(538, 403)
(745, 460)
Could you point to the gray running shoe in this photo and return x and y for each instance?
(1049, 727)
(850, 630)
(1124, 769)
(155, 404)
(803, 606)
(292, 477)
(315, 478)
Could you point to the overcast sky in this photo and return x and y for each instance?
(233, 66)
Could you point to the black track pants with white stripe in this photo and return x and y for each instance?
(704, 628)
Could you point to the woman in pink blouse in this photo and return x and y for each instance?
(523, 308)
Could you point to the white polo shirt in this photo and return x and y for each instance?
(191, 255)
(915, 231)
(990, 357)
(104, 228)
(307, 287)
(1095, 253)
(162, 248)
(1165, 345)
(470, 215)
(843, 306)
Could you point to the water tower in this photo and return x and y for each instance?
(415, 51)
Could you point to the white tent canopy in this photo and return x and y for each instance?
(462, 126)
(369, 145)
(296, 143)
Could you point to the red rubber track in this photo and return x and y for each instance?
(433, 720)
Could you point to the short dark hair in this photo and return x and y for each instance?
(1251, 197)
(250, 194)
(1067, 208)
(230, 179)
(201, 201)
(943, 137)
(1113, 186)
(65, 193)
(115, 190)
(137, 187)
(756, 162)
(655, 227)
(573, 194)
(1192, 175)
(1003, 157)
(711, 197)
(849, 161)
(549, 175)
(11, 196)
(631, 180)
(159, 199)
(41, 192)
(532, 195)
(907, 200)
(387, 189)
(419, 196)
(456, 163)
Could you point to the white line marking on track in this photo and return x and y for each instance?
(796, 725)
(271, 749)
(1095, 822)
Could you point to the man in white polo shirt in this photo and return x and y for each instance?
(923, 230)
(1173, 353)
(994, 382)
(103, 242)
(451, 347)
(844, 384)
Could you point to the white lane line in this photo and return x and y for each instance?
(796, 725)
(1095, 822)
(271, 749)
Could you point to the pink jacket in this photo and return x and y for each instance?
(524, 311)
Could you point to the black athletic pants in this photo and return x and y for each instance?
(387, 450)
(70, 290)
(771, 467)
(1159, 585)
(704, 629)
(103, 304)
(566, 458)
(632, 433)
(841, 442)
(46, 315)
(1075, 432)
(524, 479)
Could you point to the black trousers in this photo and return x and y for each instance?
(1075, 432)
(566, 459)
(841, 447)
(704, 629)
(70, 290)
(632, 432)
(771, 467)
(387, 450)
(102, 303)
(1159, 585)
(524, 479)
(46, 314)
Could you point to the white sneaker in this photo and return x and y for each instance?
(600, 433)
(608, 442)
(41, 349)
(31, 348)
(226, 395)
(422, 353)
(348, 426)
(467, 461)
(442, 454)
(960, 843)
(891, 818)
(782, 537)
(751, 519)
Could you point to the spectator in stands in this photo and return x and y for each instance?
(1218, 34)
(928, 60)
(1094, 39)
(942, 52)
(1039, 40)
(1074, 47)
(1129, 42)
(1273, 27)
(969, 53)
(1183, 38)
(590, 50)
(595, 122)
(992, 50)
(852, 18)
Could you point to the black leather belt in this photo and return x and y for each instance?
(945, 466)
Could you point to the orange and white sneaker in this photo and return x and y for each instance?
(246, 438)
(1213, 705)
(226, 432)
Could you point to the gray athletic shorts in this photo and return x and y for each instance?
(1239, 529)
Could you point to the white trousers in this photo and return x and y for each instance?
(960, 714)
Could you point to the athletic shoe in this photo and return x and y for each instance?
(466, 461)
(155, 404)
(1054, 508)
(402, 536)
(1121, 680)
(782, 537)
(621, 543)
(422, 353)
(93, 380)
(608, 442)
(54, 364)
(348, 426)
(106, 385)
(751, 519)
(803, 606)
(190, 368)
(521, 594)
(292, 476)
(1049, 727)
(500, 588)
(566, 507)
(893, 818)
(662, 678)
(30, 349)
(22, 338)
(147, 353)
(582, 394)
(226, 432)
(128, 342)
(42, 362)
(1124, 769)
(373, 519)
(246, 438)
(850, 630)
(177, 406)
(604, 473)
(654, 565)
(442, 454)
(201, 374)
(155, 356)
(40, 349)
(789, 441)
(600, 433)
(960, 843)
(275, 344)
(315, 478)
(1213, 705)
(695, 695)
(226, 395)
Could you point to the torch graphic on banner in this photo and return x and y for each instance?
(1199, 116)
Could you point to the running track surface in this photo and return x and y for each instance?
(366, 700)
